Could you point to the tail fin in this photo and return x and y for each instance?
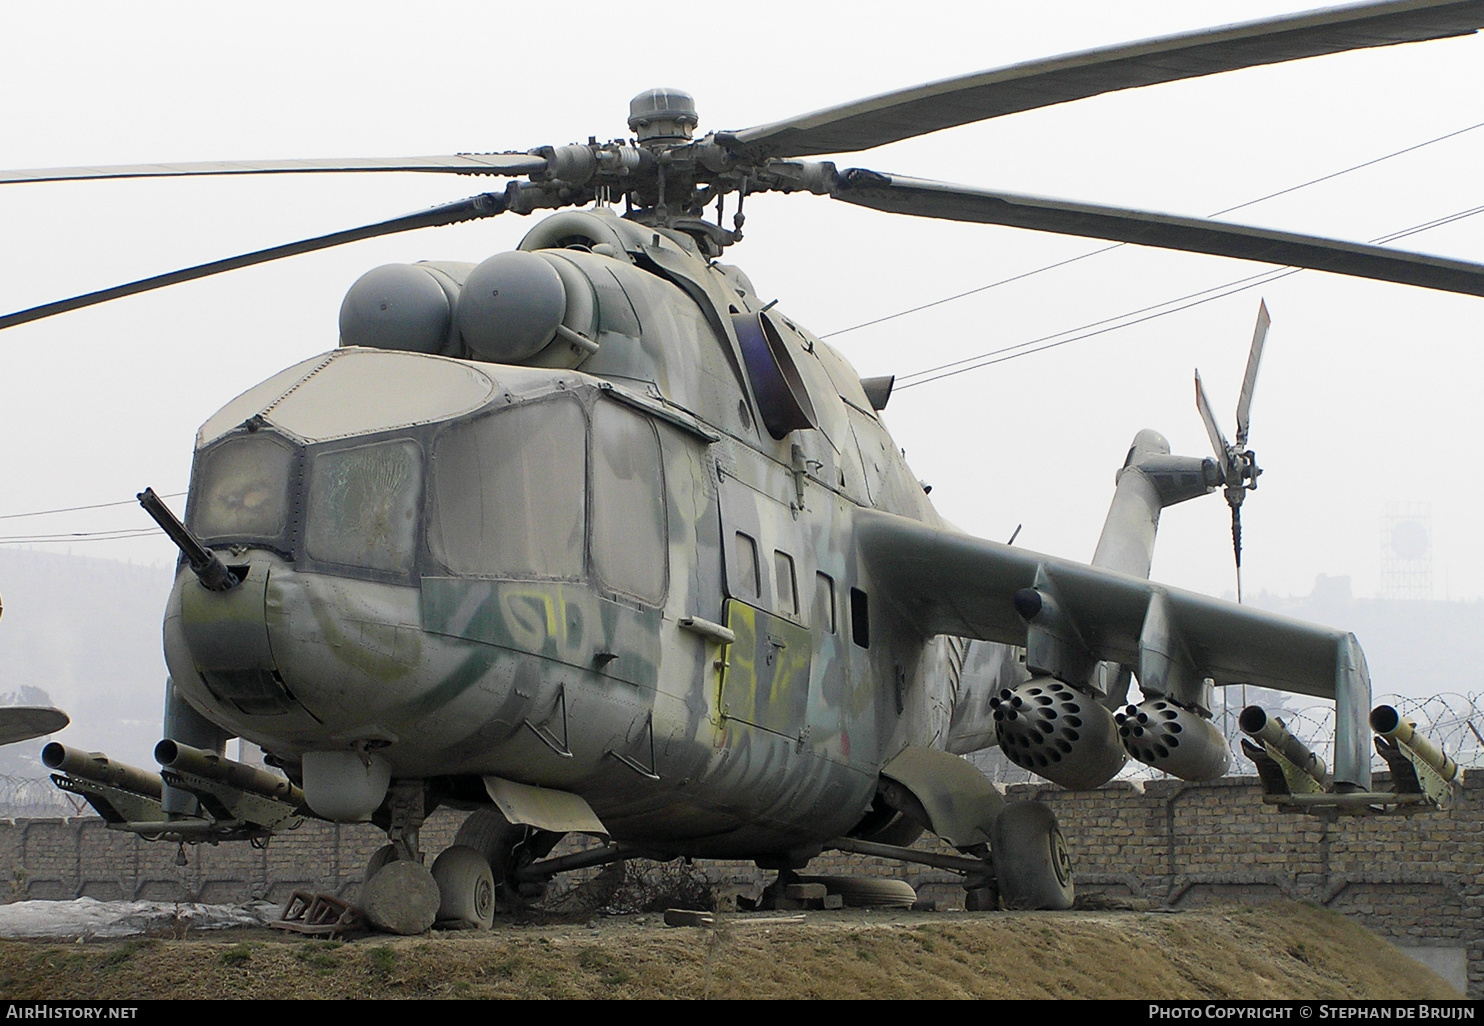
(1150, 480)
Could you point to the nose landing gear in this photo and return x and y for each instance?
(473, 878)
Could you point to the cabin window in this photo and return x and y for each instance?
(749, 580)
(241, 488)
(630, 532)
(788, 586)
(363, 505)
(508, 493)
(824, 602)
(860, 618)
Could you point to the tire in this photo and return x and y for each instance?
(1031, 863)
(466, 888)
(867, 892)
(492, 835)
(506, 847)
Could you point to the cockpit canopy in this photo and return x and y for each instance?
(390, 465)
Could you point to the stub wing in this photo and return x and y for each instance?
(1069, 616)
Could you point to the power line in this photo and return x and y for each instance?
(1117, 245)
(79, 536)
(73, 509)
(1196, 299)
(1357, 167)
(974, 291)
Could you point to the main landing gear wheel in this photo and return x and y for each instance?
(1031, 863)
(466, 889)
(506, 847)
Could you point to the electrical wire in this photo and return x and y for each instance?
(73, 509)
(1117, 245)
(1175, 305)
(1001, 355)
(79, 536)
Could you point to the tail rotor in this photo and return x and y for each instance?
(1239, 469)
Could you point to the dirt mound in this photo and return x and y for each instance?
(1278, 951)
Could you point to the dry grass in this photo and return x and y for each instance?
(1281, 951)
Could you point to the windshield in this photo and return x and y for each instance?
(241, 488)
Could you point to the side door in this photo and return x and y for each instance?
(766, 679)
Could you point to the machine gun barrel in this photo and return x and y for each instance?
(211, 571)
(201, 763)
(98, 768)
(1387, 722)
(1269, 730)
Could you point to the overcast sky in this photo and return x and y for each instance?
(1367, 391)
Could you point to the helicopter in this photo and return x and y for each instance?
(322, 526)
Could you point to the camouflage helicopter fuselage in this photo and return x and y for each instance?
(610, 580)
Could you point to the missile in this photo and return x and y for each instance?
(1269, 730)
(198, 762)
(1387, 722)
(100, 769)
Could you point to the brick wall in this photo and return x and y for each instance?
(1417, 880)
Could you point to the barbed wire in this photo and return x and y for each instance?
(1451, 720)
(37, 798)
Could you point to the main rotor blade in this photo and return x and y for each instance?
(906, 113)
(485, 204)
(24, 722)
(458, 164)
(1254, 357)
(924, 198)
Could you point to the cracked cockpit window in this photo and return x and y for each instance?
(363, 505)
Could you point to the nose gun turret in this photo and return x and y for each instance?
(210, 570)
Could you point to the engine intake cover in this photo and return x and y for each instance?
(511, 306)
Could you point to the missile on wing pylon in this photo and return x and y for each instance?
(1295, 779)
(1417, 765)
(100, 769)
(182, 758)
(1272, 746)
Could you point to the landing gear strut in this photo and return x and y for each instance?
(1027, 865)
(399, 894)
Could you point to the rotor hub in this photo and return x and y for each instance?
(663, 115)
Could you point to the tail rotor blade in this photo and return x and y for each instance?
(1254, 357)
(1218, 440)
